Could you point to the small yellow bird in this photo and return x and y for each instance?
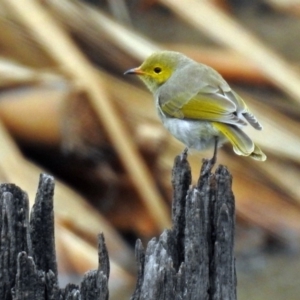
(197, 105)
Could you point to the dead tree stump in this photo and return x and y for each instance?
(194, 259)
(191, 261)
(28, 268)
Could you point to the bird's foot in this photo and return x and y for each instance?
(208, 164)
(184, 153)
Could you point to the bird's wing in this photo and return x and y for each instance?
(204, 95)
(243, 109)
(209, 104)
(216, 81)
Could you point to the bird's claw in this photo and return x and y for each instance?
(184, 153)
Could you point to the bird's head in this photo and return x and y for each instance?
(157, 68)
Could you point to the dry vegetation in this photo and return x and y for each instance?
(62, 91)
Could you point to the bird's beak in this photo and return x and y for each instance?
(134, 71)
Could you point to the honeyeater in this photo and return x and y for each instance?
(197, 105)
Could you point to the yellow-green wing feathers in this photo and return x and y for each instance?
(208, 107)
(222, 106)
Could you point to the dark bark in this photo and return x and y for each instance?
(42, 226)
(140, 257)
(181, 181)
(30, 282)
(14, 234)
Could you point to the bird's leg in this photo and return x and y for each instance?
(214, 158)
(208, 164)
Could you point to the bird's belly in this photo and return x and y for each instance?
(198, 135)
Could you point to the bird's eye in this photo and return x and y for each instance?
(157, 70)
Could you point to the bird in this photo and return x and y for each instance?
(196, 105)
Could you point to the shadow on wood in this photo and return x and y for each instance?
(192, 260)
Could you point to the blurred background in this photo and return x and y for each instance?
(66, 109)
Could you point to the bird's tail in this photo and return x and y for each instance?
(257, 154)
(242, 144)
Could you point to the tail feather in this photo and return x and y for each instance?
(242, 144)
(257, 154)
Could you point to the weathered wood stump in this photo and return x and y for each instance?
(28, 268)
(192, 260)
